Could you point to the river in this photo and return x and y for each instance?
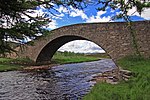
(63, 82)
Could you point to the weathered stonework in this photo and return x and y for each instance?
(115, 38)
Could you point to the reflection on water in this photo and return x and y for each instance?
(64, 82)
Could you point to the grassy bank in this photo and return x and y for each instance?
(137, 88)
(69, 57)
(7, 64)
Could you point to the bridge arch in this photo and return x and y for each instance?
(115, 38)
(49, 50)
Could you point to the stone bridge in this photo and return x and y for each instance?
(114, 37)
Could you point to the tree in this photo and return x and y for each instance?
(17, 21)
(124, 6)
(13, 25)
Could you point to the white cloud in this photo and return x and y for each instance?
(98, 17)
(70, 11)
(132, 12)
(61, 13)
(51, 25)
(62, 9)
(76, 12)
(58, 16)
(145, 13)
(81, 46)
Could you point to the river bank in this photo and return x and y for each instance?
(8, 64)
(137, 87)
(133, 87)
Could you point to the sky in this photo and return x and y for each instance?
(64, 17)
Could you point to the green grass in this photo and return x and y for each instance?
(69, 57)
(4, 67)
(137, 88)
(8, 64)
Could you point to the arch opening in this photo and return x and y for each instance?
(49, 50)
(81, 46)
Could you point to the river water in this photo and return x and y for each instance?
(63, 82)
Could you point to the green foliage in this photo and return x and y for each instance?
(124, 6)
(17, 21)
(14, 26)
(136, 88)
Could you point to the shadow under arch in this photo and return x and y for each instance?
(49, 50)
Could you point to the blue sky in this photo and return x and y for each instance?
(64, 17)
(69, 16)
